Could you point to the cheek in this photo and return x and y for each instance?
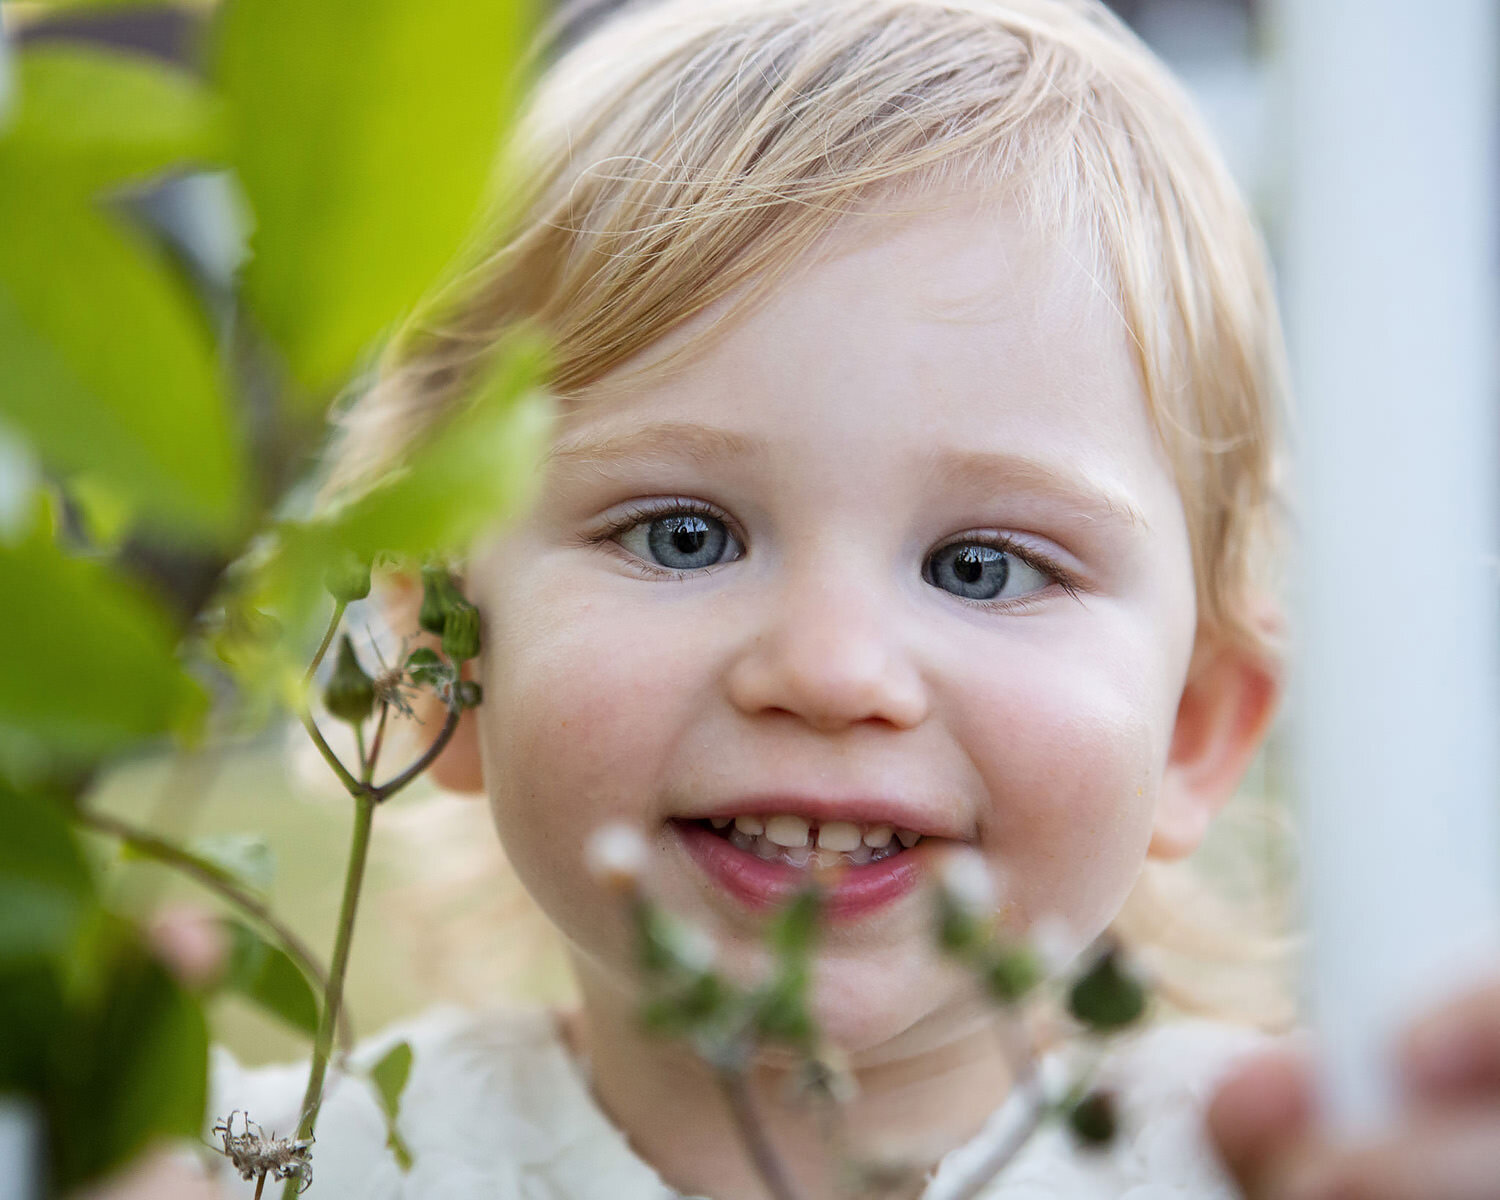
(1071, 757)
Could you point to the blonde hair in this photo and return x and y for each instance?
(693, 151)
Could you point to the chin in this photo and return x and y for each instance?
(881, 1009)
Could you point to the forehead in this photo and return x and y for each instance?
(964, 327)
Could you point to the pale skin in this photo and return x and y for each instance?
(945, 379)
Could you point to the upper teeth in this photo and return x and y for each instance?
(789, 832)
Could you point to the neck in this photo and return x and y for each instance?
(916, 1099)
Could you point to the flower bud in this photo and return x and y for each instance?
(347, 578)
(1107, 997)
(1093, 1120)
(461, 631)
(438, 594)
(1011, 973)
(467, 694)
(350, 695)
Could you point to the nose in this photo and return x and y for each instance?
(827, 648)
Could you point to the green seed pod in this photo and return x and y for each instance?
(350, 695)
(1011, 974)
(468, 694)
(1093, 1120)
(1107, 997)
(461, 631)
(438, 594)
(347, 578)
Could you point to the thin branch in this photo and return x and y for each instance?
(388, 789)
(333, 628)
(747, 1123)
(369, 771)
(217, 879)
(1026, 1086)
(351, 784)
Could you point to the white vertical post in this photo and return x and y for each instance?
(1390, 263)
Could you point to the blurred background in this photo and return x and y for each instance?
(444, 920)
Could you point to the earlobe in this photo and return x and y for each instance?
(1227, 706)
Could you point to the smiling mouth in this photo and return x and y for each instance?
(809, 845)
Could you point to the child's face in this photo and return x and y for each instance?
(940, 408)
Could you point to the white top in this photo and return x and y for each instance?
(496, 1108)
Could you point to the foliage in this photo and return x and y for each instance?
(168, 577)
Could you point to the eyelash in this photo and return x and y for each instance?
(639, 512)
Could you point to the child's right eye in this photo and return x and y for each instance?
(675, 537)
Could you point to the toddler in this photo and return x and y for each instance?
(913, 487)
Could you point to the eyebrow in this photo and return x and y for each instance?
(972, 470)
(670, 441)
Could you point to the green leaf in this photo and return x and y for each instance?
(141, 1076)
(89, 664)
(266, 976)
(46, 891)
(109, 367)
(389, 1076)
(365, 134)
(469, 476)
(478, 468)
(246, 856)
(94, 117)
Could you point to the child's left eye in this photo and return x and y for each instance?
(978, 571)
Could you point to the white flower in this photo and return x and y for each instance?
(616, 856)
(965, 879)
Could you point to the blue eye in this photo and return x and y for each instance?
(678, 541)
(976, 571)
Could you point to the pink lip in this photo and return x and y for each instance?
(758, 884)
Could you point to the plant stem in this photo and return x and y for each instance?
(220, 881)
(333, 628)
(1027, 1087)
(352, 785)
(369, 770)
(260, 1186)
(312, 1100)
(388, 789)
(763, 1157)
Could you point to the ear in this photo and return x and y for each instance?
(457, 768)
(1227, 706)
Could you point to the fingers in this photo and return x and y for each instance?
(1453, 1053)
(1455, 1156)
(1259, 1113)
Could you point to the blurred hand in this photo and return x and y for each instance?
(1445, 1144)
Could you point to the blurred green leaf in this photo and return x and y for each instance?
(246, 856)
(46, 890)
(90, 664)
(479, 468)
(365, 133)
(793, 928)
(390, 1075)
(91, 117)
(112, 1066)
(109, 367)
(263, 974)
(143, 1075)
